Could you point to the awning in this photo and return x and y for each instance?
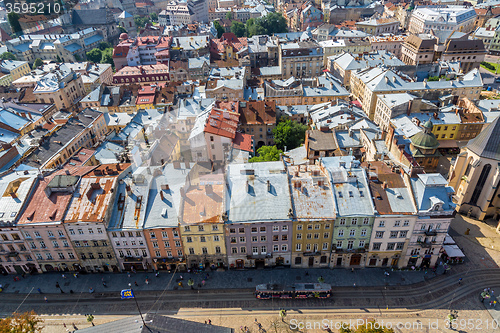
(448, 240)
(448, 144)
(453, 251)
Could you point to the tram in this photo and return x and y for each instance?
(297, 290)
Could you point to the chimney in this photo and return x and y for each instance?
(183, 193)
(128, 189)
(209, 190)
(384, 185)
(161, 195)
(268, 186)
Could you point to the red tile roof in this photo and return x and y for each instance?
(243, 142)
(223, 119)
(228, 38)
(147, 90)
(51, 208)
(258, 112)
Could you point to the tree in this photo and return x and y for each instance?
(104, 45)
(38, 62)
(229, 15)
(122, 30)
(107, 57)
(8, 56)
(14, 21)
(153, 17)
(267, 154)
(140, 22)
(77, 57)
(368, 327)
(289, 133)
(94, 55)
(238, 29)
(274, 23)
(219, 28)
(27, 322)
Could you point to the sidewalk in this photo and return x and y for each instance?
(217, 280)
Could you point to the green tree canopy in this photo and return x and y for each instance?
(266, 154)
(8, 56)
(38, 62)
(267, 25)
(229, 15)
(289, 133)
(104, 45)
(122, 29)
(107, 57)
(219, 28)
(153, 17)
(94, 55)
(140, 22)
(14, 21)
(238, 29)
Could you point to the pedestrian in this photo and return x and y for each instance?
(494, 303)
(181, 277)
(460, 281)
(39, 290)
(91, 290)
(352, 270)
(157, 274)
(57, 285)
(354, 284)
(387, 273)
(63, 276)
(209, 322)
(180, 284)
(74, 326)
(147, 281)
(135, 282)
(71, 291)
(64, 324)
(128, 274)
(104, 283)
(206, 277)
(45, 299)
(492, 292)
(203, 283)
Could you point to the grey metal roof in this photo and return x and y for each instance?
(487, 143)
(259, 202)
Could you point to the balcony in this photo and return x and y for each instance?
(424, 244)
(431, 232)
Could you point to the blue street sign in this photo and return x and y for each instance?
(127, 293)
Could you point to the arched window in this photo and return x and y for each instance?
(480, 183)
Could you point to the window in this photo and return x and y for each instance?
(361, 243)
(65, 243)
(55, 244)
(80, 231)
(402, 234)
(234, 250)
(406, 223)
(327, 226)
(243, 249)
(178, 243)
(191, 250)
(72, 232)
(397, 223)
(203, 239)
(299, 236)
(366, 220)
(42, 245)
(342, 221)
(215, 228)
(263, 238)
(350, 244)
(232, 231)
(217, 249)
(189, 239)
(254, 239)
(187, 228)
(390, 246)
(27, 234)
(155, 244)
(299, 226)
(400, 246)
(309, 236)
(326, 235)
(39, 256)
(308, 247)
(164, 234)
(394, 234)
(262, 229)
(352, 232)
(201, 228)
(85, 243)
(91, 231)
(166, 243)
(33, 245)
(381, 224)
(254, 229)
(422, 227)
(298, 247)
(157, 254)
(176, 233)
(376, 246)
(379, 234)
(37, 234)
(152, 235)
(284, 228)
(216, 238)
(99, 230)
(317, 226)
(276, 248)
(363, 233)
(255, 250)
(276, 228)
(341, 233)
(354, 221)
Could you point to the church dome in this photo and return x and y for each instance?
(424, 140)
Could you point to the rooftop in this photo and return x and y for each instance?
(258, 192)
(15, 188)
(204, 203)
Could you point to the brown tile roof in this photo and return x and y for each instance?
(223, 119)
(228, 38)
(243, 142)
(203, 204)
(258, 112)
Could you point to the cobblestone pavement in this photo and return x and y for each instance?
(216, 280)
